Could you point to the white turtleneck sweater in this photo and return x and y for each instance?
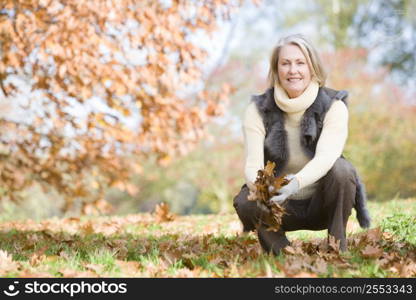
(329, 147)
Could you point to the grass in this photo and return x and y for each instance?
(194, 246)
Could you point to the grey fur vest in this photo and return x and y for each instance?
(275, 144)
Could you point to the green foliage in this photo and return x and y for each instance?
(338, 17)
(334, 18)
(403, 226)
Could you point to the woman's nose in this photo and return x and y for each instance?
(292, 70)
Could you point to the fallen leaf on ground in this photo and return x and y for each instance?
(128, 267)
(162, 213)
(6, 263)
(371, 251)
(98, 269)
(319, 266)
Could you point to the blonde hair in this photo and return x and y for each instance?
(312, 58)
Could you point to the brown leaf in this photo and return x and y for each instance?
(289, 250)
(173, 255)
(408, 269)
(388, 236)
(374, 235)
(319, 266)
(293, 265)
(333, 243)
(329, 244)
(35, 259)
(162, 213)
(98, 269)
(128, 267)
(268, 169)
(371, 251)
(88, 228)
(311, 247)
(6, 263)
(98, 207)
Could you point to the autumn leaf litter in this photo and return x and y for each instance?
(165, 245)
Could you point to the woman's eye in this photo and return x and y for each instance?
(301, 63)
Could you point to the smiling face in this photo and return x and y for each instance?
(293, 70)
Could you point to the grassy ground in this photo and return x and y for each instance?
(142, 245)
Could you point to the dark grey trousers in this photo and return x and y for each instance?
(329, 208)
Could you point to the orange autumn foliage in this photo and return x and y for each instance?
(137, 57)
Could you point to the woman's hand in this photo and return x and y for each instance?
(251, 187)
(286, 191)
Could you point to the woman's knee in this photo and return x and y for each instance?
(339, 186)
(342, 171)
(240, 201)
(246, 210)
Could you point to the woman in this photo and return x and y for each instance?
(302, 126)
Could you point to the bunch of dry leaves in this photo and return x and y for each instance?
(266, 186)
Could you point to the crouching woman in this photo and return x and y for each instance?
(302, 126)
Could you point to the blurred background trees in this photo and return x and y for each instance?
(106, 108)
